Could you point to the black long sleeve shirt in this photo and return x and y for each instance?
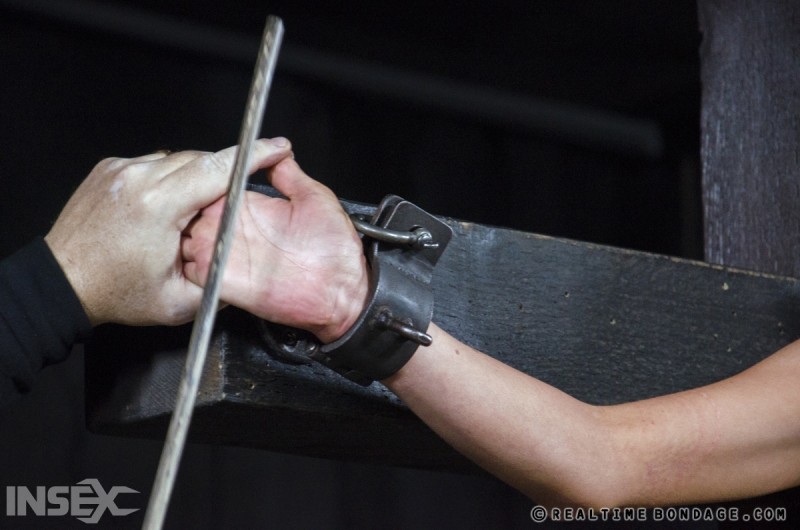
(41, 317)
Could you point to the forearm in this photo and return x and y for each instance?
(538, 439)
(734, 439)
(40, 317)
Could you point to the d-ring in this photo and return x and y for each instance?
(417, 238)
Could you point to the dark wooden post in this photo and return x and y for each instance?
(750, 60)
(751, 133)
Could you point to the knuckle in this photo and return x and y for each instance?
(109, 165)
(141, 201)
(128, 172)
(150, 200)
(216, 162)
(133, 175)
(181, 158)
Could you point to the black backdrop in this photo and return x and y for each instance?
(580, 122)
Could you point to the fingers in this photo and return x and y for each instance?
(197, 246)
(203, 179)
(156, 155)
(197, 242)
(188, 249)
(196, 259)
(157, 166)
(193, 273)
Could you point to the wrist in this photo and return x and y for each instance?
(405, 245)
(72, 271)
(350, 300)
(425, 362)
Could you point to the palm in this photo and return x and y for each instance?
(296, 262)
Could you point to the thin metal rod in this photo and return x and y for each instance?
(204, 322)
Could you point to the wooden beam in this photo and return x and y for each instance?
(604, 324)
(750, 133)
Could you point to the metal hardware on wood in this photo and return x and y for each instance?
(290, 345)
(416, 238)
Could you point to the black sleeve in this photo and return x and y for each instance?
(40, 317)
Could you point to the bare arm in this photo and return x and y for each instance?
(298, 262)
(733, 439)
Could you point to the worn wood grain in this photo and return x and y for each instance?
(750, 133)
(606, 325)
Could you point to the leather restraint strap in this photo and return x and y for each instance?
(403, 243)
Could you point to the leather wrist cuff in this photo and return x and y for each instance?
(403, 243)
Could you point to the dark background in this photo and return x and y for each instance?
(574, 119)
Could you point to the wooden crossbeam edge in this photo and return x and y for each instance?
(604, 324)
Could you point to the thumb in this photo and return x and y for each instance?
(205, 179)
(288, 178)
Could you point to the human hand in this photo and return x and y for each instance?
(296, 262)
(118, 238)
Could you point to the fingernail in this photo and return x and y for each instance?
(280, 141)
